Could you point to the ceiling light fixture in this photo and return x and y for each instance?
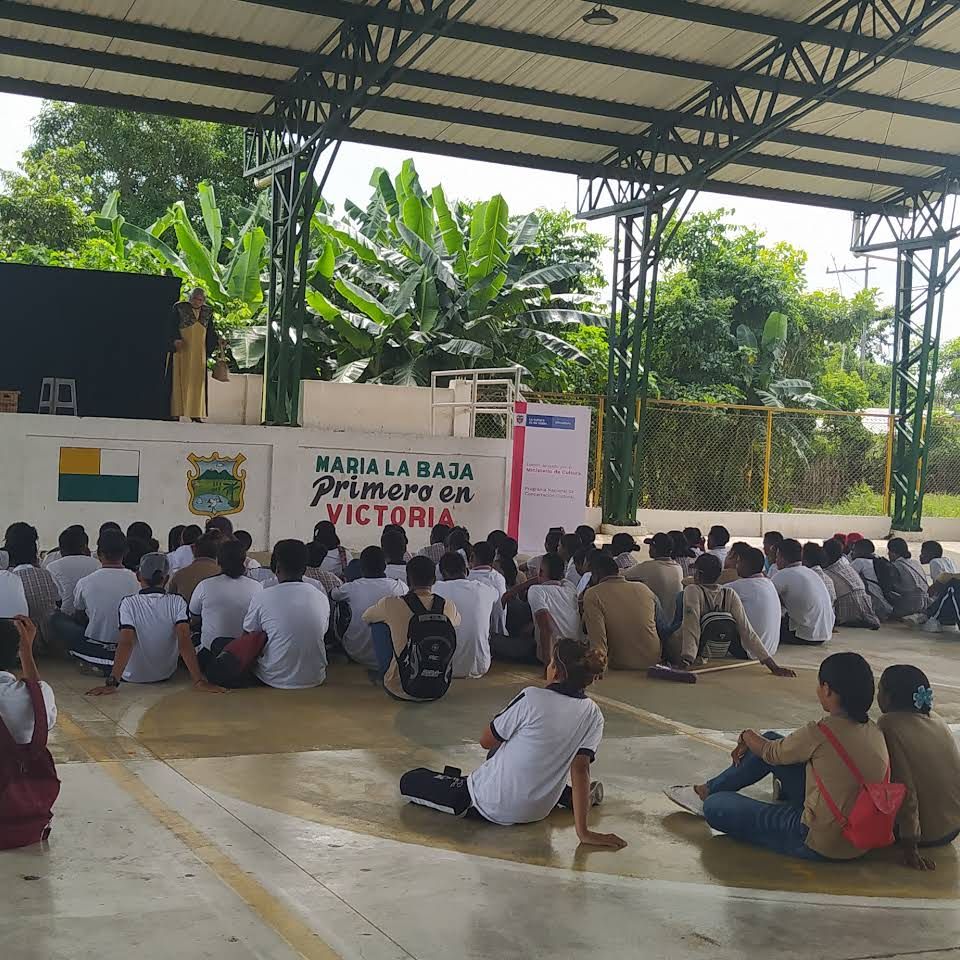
(600, 16)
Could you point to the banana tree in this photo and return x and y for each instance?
(409, 284)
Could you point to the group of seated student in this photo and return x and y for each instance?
(132, 613)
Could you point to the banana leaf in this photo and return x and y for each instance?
(212, 219)
(466, 348)
(381, 182)
(450, 232)
(364, 301)
(247, 344)
(242, 279)
(427, 256)
(351, 372)
(554, 273)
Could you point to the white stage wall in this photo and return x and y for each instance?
(283, 476)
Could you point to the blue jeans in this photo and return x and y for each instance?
(776, 826)
(382, 647)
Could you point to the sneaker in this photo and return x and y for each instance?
(915, 618)
(932, 626)
(686, 797)
(596, 793)
(951, 628)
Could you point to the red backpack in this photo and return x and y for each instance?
(28, 781)
(870, 823)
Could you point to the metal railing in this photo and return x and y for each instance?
(482, 404)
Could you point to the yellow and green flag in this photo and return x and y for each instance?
(96, 475)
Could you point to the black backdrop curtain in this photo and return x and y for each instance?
(107, 331)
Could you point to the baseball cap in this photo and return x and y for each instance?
(624, 542)
(154, 567)
(662, 542)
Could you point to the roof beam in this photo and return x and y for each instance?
(765, 25)
(193, 111)
(471, 32)
(165, 38)
(148, 33)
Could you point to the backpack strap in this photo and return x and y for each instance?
(439, 605)
(415, 604)
(834, 809)
(40, 728)
(706, 602)
(831, 738)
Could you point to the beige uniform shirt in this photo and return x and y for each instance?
(394, 612)
(621, 618)
(697, 600)
(868, 750)
(664, 578)
(925, 758)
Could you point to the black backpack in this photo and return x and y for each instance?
(425, 664)
(718, 630)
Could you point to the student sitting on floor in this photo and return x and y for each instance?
(393, 542)
(553, 603)
(661, 573)
(16, 651)
(931, 554)
(97, 599)
(620, 617)
(924, 757)
(355, 598)
(294, 615)
(759, 597)
(907, 592)
(219, 605)
(808, 611)
(569, 544)
(204, 566)
(475, 602)
(74, 564)
(328, 582)
(705, 599)
(182, 556)
(154, 634)
(246, 541)
(853, 607)
(771, 545)
(482, 569)
(867, 563)
(543, 736)
(438, 542)
(551, 544)
(800, 824)
(717, 539)
(506, 562)
(392, 645)
(338, 557)
(624, 550)
(814, 558)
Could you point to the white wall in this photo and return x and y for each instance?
(280, 472)
(364, 407)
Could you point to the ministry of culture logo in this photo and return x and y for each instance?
(215, 485)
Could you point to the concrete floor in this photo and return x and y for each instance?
(266, 824)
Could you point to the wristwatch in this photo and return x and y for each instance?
(112, 681)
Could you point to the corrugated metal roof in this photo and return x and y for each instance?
(528, 80)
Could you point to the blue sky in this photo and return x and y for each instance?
(824, 234)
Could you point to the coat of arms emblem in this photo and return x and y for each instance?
(215, 485)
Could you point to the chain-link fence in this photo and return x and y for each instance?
(942, 487)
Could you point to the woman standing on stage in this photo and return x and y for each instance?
(193, 338)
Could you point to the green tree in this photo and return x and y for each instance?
(152, 160)
(46, 202)
(562, 238)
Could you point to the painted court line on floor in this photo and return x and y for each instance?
(708, 737)
(264, 904)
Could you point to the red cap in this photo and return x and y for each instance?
(853, 537)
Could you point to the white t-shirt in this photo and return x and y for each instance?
(806, 602)
(571, 573)
(541, 732)
(583, 584)
(13, 600)
(360, 595)
(16, 707)
(397, 571)
(295, 617)
(720, 553)
(476, 601)
(761, 604)
(221, 603)
(251, 563)
(99, 594)
(333, 562)
(940, 566)
(493, 578)
(262, 575)
(68, 572)
(180, 558)
(154, 615)
(560, 601)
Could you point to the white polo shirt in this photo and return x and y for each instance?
(495, 579)
(222, 603)
(16, 707)
(180, 558)
(68, 572)
(806, 602)
(541, 731)
(13, 600)
(295, 617)
(761, 604)
(99, 595)
(360, 595)
(154, 616)
(475, 601)
(559, 599)
(398, 571)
